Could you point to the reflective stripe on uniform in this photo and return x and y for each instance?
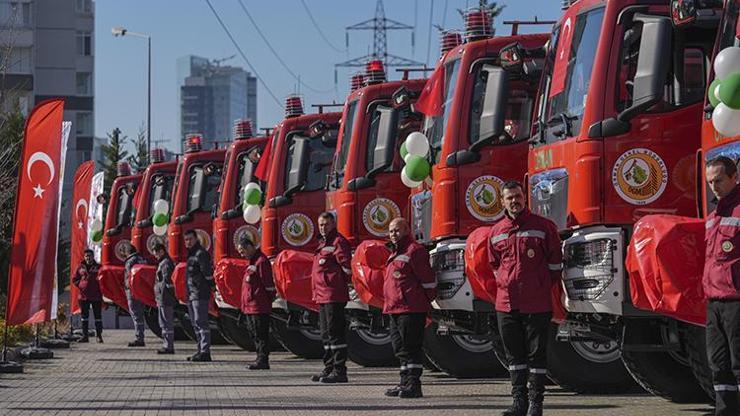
(270, 289)
(429, 285)
(410, 366)
(327, 347)
(403, 367)
(710, 223)
(501, 237)
(538, 370)
(346, 270)
(209, 277)
(730, 221)
(328, 249)
(517, 367)
(402, 257)
(338, 346)
(251, 268)
(555, 266)
(531, 233)
(725, 387)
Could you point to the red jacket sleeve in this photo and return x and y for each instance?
(343, 255)
(494, 257)
(423, 271)
(554, 252)
(76, 279)
(265, 271)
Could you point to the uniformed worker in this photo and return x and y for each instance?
(135, 307)
(330, 277)
(524, 252)
(721, 283)
(199, 277)
(258, 292)
(409, 286)
(86, 280)
(164, 293)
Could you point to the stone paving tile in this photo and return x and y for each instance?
(110, 379)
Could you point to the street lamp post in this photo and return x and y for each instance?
(120, 31)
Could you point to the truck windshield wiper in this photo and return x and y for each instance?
(565, 120)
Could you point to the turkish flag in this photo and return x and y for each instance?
(32, 277)
(78, 226)
(432, 96)
(562, 57)
(262, 171)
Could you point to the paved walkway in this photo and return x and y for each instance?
(110, 379)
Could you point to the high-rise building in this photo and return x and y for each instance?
(46, 51)
(212, 96)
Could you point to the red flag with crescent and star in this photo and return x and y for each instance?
(32, 277)
(78, 226)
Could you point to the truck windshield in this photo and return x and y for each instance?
(319, 160)
(435, 126)
(161, 189)
(244, 174)
(567, 76)
(203, 188)
(346, 140)
(125, 204)
(405, 126)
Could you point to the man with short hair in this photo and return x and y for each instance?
(199, 277)
(135, 307)
(164, 293)
(258, 292)
(89, 295)
(409, 286)
(526, 258)
(330, 277)
(721, 283)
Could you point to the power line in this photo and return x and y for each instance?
(269, 46)
(429, 35)
(318, 28)
(239, 49)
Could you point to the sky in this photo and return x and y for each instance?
(184, 27)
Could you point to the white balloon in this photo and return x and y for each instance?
(162, 206)
(726, 120)
(417, 144)
(407, 181)
(96, 225)
(251, 185)
(252, 214)
(160, 230)
(727, 62)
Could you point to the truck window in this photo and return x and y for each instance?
(203, 189)
(125, 204)
(161, 188)
(406, 125)
(244, 175)
(319, 161)
(435, 126)
(341, 158)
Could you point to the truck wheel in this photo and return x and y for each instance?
(238, 334)
(217, 337)
(462, 356)
(370, 349)
(181, 318)
(587, 367)
(151, 317)
(302, 342)
(694, 339)
(664, 374)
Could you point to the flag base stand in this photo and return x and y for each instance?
(68, 337)
(54, 343)
(36, 353)
(11, 367)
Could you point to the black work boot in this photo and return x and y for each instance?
(85, 332)
(395, 391)
(411, 390)
(339, 375)
(204, 357)
(259, 364)
(100, 339)
(324, 373)
(137, 343)
(165, 351)
(536, 393)
(519, 393)
(194, 357)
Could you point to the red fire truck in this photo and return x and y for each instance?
(614, 139)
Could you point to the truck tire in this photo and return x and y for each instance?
(236, 333)
(694, 338)
(217, 337)
(462, 356)
(301, 342)
(183, 322)
(370, 349)
(151, 316)
(583, 367)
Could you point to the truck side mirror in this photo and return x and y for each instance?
(299, 166)
(385, 146)
(494, 106)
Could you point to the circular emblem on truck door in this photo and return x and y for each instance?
(639, 176)
(250, 231)
(483, 198)
(297, 229)
(727, 246)
(121, 249)
(378, 214)
(153, 240)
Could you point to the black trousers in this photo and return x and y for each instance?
(333, 325)
(524, 336)
(85, 306)
(723, 352)
(407, 335)
(259, 326)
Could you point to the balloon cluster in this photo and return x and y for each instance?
(724, 92)
(251, 198)
(161, 216)
(96, 231)
(414, 152)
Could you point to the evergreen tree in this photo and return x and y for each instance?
(113, 152)
(140, 160)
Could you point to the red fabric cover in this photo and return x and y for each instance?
(368, 268)
(141, 283)
(665, 261)
(292, 274)
(477, 267)
(228, 274)
(180, 282)
(111, 284)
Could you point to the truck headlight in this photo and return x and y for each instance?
(589, 268)
(449, 270)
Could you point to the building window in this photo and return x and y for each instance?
(83, 6)
(84, 123)
(16, 14)
(84, 83)
(86, 155)
(84, 43)
(18, 61)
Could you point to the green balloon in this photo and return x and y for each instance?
(729, 93)
(160, 219)
(710, 93)
(417, 168)
(253, 196)
(97, 236)
(403, 151)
